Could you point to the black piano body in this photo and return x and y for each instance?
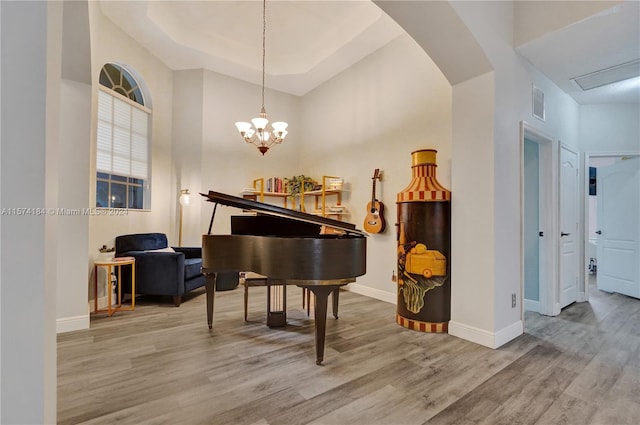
(317, 253)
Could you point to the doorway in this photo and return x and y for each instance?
(612, 205)
(539, 204)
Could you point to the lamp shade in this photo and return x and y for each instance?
(260, 123)
(243, 126)
(279, 126)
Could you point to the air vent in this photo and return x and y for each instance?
(538, 103)
(609, 75)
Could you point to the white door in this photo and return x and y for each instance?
(568, 227)
(618, 206)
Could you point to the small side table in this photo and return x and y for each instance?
(110, 264)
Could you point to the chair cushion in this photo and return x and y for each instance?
(167, 249)
(192, 268)
(140, 242)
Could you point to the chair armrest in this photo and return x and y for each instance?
(189, 252)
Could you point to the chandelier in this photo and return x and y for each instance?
(257, 133)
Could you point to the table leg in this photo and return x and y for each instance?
(110, 310)
(321, 293)
(95, 290)
(210, 279)
(133, 286)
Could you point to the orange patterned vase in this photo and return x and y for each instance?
(424, 248)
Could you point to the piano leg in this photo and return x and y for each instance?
(210, 285)
(321, 293)
(334, 298)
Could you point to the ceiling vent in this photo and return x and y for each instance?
(609, 75)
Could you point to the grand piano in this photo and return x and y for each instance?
(296, 248)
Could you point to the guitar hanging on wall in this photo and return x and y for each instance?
(374, 221)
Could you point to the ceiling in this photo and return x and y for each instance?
(309, 42)
(605, 39)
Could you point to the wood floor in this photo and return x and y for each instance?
(161, 365)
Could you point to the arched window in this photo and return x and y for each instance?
(122, 155)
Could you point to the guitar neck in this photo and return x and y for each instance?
(373, 191)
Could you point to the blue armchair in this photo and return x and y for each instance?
(158, 270)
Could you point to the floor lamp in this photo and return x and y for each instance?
(185, 199)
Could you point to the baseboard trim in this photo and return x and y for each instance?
(373, 293)
(69, 324)
(509, 333)
(531, 305)
(486, 338)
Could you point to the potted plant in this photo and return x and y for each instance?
(298, 184)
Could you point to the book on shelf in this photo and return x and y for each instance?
(275, 184)
(335, 183)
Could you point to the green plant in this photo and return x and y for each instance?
(297, 184)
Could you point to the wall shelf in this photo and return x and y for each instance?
(331, 186)
(259, 194)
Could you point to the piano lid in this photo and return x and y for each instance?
(247, 204)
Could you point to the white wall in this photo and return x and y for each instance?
(30, 31)
(473, 222)
(186, 148)
(73, 159)
(228, 163)
(373, 115)
(610, 128)
(209, 154)
(110, 44)
(495, 103)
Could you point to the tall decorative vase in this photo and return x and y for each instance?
(424, 248)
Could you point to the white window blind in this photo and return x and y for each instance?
(122, 138)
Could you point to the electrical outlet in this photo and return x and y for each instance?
(513, 300)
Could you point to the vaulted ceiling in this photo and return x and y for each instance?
(309, 42)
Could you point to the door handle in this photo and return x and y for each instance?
(564, 234)
(540, 233)
(599, 232)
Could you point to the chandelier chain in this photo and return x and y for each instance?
(264, 50)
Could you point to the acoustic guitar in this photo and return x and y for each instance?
(374, 221)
